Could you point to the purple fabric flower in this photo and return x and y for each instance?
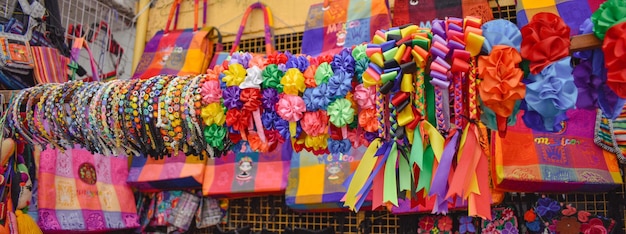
(231, 97)
(309, 100)
(466, 225)
(339, 146)
(370, 136)
(282, 67)
(547, 208)
(588, 86)
(320, 96)
(269, 99)
(240, 58)
(299, 62)
(269, 119)
(343, 62)
(509, 229)
(339, 84)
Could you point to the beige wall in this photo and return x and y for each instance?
(289, 16)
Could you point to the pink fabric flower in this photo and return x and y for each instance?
(365, 97)
(211, 92)
(290, 107)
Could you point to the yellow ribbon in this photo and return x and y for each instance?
(361, 174)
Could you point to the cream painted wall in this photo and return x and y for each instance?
(289, 16)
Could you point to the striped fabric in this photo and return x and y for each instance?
(50, 65)
(172, 173)
(611, 134)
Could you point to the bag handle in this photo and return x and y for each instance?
(79, 44)
(174, 12)
(268, 21)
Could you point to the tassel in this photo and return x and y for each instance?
(26, 224)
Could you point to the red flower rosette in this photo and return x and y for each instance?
(251, 99)
(545, 39)
(238, 119)
(614, 47)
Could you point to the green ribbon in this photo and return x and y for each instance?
(610, 13)
(271, 78)
(214, 136)
(390, 191)
(430, 100)
(358, 52)
(406, 175)
(323, 73)
(341, 112)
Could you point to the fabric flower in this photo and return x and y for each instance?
(466, 225)
(271, 78)
(213, 114)
(368, 120)
(501, 86)
(253, 78)
(214, 136)
(235, 74)
(299, 62)
(309, 76)
(269, 118)
(358, 53)
(568, 225)
(610, 13)
(545, 40)
(258, 61)
(256, 144)
(232, 97)
(293, 82)
(530, 215)
(240, 58)
(290, 107)
(316, 142)
(277, 58)
(211, 92)
(553, 91)
(370, 136)
(595, 226)
(509, 229)
(320, 96)
(501, 32)
(282, 126)
(547, 208)
(339, 146)
(323, 73)
(589, 86)
(238, 119)
(341, 112)
(339, 84)
(427, 223)
(583, 216)
(569, 210)
(214, 74)
(360, 68)
(343, 62)
(614, 48)
(365, 97)
(534, 226)
(314, 123)
(251, 99)
(444, 223)
(357, 139)
(269, 99)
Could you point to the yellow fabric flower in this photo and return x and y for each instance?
(213, 114)
(234, 75)
(293, 82)
(316, 142)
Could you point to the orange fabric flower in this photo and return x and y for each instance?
(309, 76)
(545, 40)
(368, 120)
(530, 216)
(501, 86)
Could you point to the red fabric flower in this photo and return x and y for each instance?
(444, 223)
(309, 76)
(251, 99)
(325, 58)
(277, 58)
(583, 216)
(614, 48)
(238, 119)
(368, 120)
(315, 123)
(427, 223)
(595, 226)
(545, 40)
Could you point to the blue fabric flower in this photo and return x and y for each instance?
(547, 208)
(299, 62)
(552, 92)
(283, 128)
(343, 62)
(339, 84)
(534, 226)
(339, 146)
(269, 119)
(501, 32)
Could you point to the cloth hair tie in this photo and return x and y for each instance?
(314, 123)
(291, 108)
(323, 73)
(365, 97)
(242, 58)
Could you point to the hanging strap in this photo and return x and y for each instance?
(175, 10)
(268, 21)
(79, 44)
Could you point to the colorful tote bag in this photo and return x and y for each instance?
(170, 173)
(176, 52)
(573, 12)
(423, 11)
(337, 24)
(268, 22)
(243, 173)
(316, 182)
(530, 161)
(50, 65)
(80, 191)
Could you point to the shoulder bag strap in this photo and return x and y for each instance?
(268, 21)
